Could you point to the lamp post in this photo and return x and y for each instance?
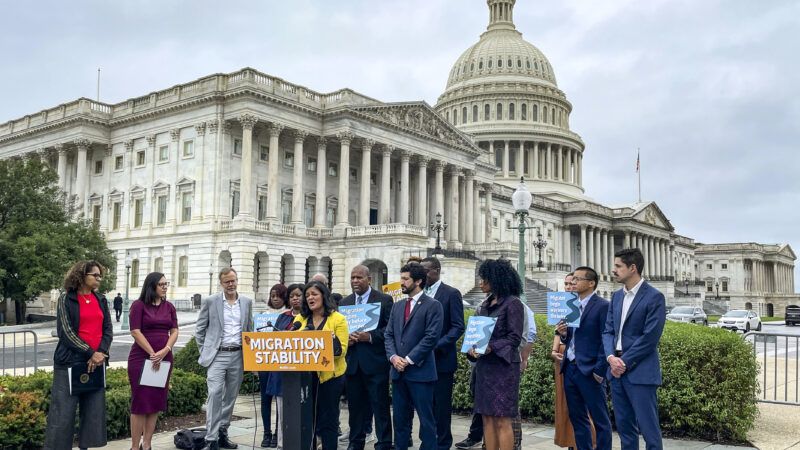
(539, 244)
(439, 227)
(716, 285)
(210, 278)
(126, 304)
(521, 199)
(686, 284)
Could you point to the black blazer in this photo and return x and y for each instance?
(589, 354)
(370, 356)
(452, 328)
(71, 349)
(415, 338)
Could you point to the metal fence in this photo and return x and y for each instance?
(776, 354)
(16, 358)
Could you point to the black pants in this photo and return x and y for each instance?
(61, 417)
(118, 312)
(443, 409)
(368, 395)
(266, 401)
(326, 410)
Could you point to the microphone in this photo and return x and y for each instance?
(268, 327)
(296, 326)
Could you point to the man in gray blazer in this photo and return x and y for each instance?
(223, 317)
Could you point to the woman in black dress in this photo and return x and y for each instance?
(497, 372)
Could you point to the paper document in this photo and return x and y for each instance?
(155, 378)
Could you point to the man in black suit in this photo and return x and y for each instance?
(411, 336)
(118, 305)
(445, 351)
(367, 368)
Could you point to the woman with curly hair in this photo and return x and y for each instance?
(497, 372)
(83, 325)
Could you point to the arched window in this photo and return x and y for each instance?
(499, 63)
(490, 63)
(524, 111)
(510, 111)
(455, 116)
(480, 64)
(536, 65)
(474, 113)
(553, 116)
(519, 63)
(510, 64)
(472, 66)
(535, 113)
(447, 115)
(464, 115)
(486, 112)
(544, 114)
(528, 63)
(499, 111)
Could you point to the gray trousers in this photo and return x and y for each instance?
(223, 380)
(61, 416)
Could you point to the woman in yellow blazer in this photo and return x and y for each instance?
(319, 313)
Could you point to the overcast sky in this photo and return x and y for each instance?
(707, 89)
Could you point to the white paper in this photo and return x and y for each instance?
(155, 378)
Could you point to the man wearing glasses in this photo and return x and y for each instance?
(584, 364)
(222, 319)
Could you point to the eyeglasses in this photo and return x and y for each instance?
(576, 279)
(164, 284)
(228, 282)
(96, 276)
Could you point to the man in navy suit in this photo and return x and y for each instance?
(411, 336)
(584, 365)
(367, 368)
(445, 351)
(634, 324)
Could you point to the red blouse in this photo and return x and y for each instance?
(91, 320)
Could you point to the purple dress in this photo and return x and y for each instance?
(154, 321)
(497, 374)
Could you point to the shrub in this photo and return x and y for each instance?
(186, 359)
(709, 390)
(22, 420)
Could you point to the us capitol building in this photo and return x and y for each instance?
(280, 181)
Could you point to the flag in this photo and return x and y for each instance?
(637, 161)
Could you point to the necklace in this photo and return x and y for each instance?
(86, 298)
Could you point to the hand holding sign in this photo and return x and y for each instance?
(564, 306)
(476, 337)
(361, 318)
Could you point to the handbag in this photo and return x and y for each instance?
(82, 381)
(193, 439)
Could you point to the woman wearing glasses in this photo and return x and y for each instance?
(84, 329)
(154, 327)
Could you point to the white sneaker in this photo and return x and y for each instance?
(345, 437)
(370, 438)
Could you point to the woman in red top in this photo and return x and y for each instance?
(84, 328)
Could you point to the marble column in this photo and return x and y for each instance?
(488, 213)
(342, 219)
(548, 165)
(386, 185)
(62, 167)
(584, 245)
(590, 249)
(580, 169)
(422, 191)
(492, 155)
(462, 211)
(469, 211)
(405, 179)
(476, 214)
(567, 247)
(604, 252)
(273, 190)
(598, 257)
(627, 242)
(560, 171)
(366, 174)
(246, 175)
(650, 256)
(439, 186)
(535, 158)
(611, 245)
(520, 160)
(455, 173)
(505, 159)
(80, 180)
(321, 203)
(298, 196)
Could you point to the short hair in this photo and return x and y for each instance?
(321, 277)
(294, 286)
(591, 274)
(282, 292)
(416, 272)
(414, 259)
(337, 298)
(501, 276)
(76, 274)
(630, 256)
(571, 274)
(434, 262)
(225, 271)
(149, 288)
(328, 304)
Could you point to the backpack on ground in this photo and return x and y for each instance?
(194, 439)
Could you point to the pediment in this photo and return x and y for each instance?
(651, 214)
(786, 250)
(417, 117)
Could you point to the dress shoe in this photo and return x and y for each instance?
(267, 440)
(211, 445)
(468, 443)
(273, 443)
(224, 442)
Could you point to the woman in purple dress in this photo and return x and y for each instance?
(497, 371)
(154, 327)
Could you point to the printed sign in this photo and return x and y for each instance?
(288, 351)
(478, 332)
(395, 290)
(362, 317)
(261, 320)
(564, 306)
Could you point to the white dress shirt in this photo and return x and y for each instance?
(363, 299)
(414, 301)
(626, 305)
(431, 290)
(232, 323)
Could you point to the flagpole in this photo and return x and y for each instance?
(639, 174)
(98, 84)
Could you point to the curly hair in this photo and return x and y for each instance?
(501, 276)
(77, 273)
(281, 292)
(328, 303)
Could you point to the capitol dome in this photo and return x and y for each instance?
(502, 91)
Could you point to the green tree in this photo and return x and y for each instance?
(39, 241)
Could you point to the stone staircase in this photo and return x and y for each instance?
(535, 294)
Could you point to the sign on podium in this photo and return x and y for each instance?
(288, 351)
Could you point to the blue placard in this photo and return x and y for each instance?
(260, 321)
(478, 332)
(362, 317)
(564, 306)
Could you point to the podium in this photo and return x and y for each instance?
(295, 354)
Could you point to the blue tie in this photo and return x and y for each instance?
(360, 300)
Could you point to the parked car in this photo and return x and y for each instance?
(740, 319)
(792, 316)
(690, 314)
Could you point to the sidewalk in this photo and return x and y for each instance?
(534, 436)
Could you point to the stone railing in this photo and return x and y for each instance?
(319, 233)
(493, 247)
(390, 228)
(224, 224)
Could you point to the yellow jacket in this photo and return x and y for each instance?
(338, 324)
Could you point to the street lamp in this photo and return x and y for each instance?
(210, 278)
(521, 199)
(126, 304)
(686, 284)
(539, 244)
(716, 285)
(439, 227)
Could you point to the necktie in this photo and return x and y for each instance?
(408, 308)
(360, 300)
(571, 355)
